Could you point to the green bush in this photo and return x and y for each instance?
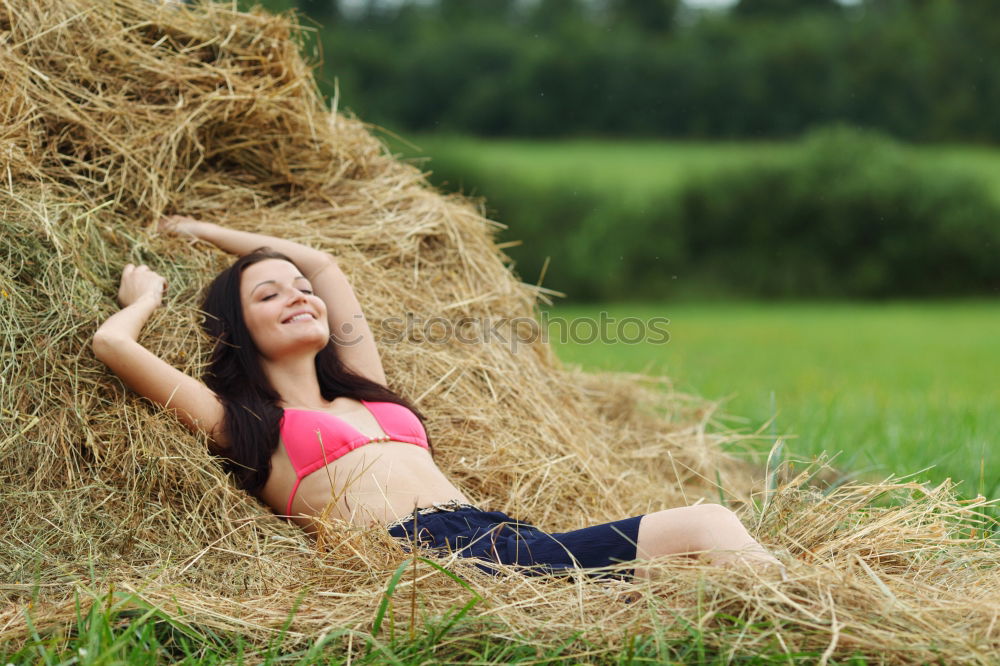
(847, 214)
(597, 245)
(851, 215)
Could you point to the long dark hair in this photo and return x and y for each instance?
(252, 415)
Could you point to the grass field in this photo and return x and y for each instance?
(633, 167)
(893, 388)
(124, 629)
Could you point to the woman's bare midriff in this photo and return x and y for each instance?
(377, 483)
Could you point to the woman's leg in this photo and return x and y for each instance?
(708, 530)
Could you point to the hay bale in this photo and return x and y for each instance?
(115, 112)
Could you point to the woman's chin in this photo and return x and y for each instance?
(316, 345)
(303, 346)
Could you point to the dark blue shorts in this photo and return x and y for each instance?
(491, 536)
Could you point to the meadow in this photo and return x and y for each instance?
(632, 167)
(888, 389)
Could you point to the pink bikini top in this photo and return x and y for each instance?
(314, 439)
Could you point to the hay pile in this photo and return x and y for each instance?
(113, 112)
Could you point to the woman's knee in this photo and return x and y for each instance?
(709, 514)
(690, 529)
(716, 513)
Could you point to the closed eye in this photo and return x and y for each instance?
(304, 291)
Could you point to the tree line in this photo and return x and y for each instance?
(917, 69)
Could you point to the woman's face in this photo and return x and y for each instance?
(280, 310)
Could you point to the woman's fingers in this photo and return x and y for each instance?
(138, 281)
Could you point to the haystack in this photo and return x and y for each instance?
(114, 112)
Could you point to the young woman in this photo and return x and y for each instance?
(295, 399)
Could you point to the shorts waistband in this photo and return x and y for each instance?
(453, 505)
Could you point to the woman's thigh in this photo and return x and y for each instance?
(597, 546)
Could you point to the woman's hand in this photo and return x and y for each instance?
(180, 225)
(139, 282)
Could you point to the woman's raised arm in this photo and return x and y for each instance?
(116, 345)
(308, 259)
(348, 326)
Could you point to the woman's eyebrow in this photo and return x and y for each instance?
(297, 277)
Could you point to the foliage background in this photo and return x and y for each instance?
(915, 69)
(844, 214)
(838, 214)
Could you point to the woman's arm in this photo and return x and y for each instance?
(309, 260)
(116, 345)
(356, 343)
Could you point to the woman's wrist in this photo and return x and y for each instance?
(128, 322)
(222, 237)
(149, 299)
(185, 225)
(146, 302)
(202, 230)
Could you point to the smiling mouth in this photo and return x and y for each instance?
(302, 316)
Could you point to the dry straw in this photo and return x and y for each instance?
(113, 112)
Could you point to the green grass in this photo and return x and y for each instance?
(629, 167)
(892, 388)
(633, 168)
(121, 628)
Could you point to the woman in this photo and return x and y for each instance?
(308, 425)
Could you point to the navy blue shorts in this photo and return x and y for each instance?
(491, 536)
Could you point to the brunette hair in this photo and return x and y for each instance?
(252, 419)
